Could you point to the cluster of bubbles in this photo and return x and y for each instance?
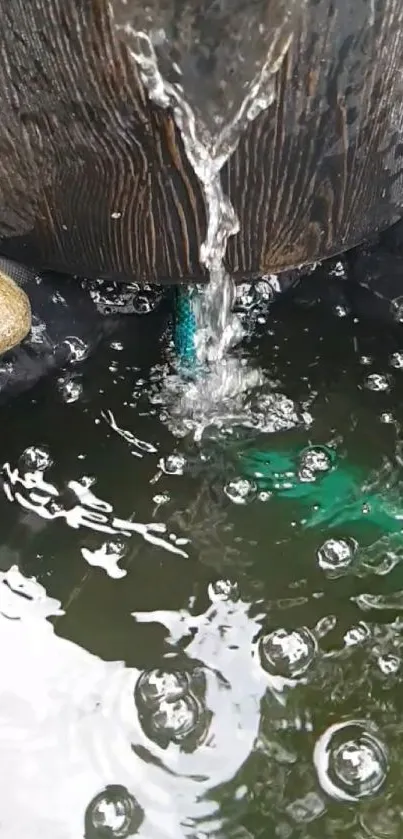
(124, 299)
(171, 707)
(350, 758)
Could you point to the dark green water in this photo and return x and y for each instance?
(187, 657)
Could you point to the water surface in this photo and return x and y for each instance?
(182, 655)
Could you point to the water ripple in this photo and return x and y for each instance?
(34, 493)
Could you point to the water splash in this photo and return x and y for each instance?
(218, 326)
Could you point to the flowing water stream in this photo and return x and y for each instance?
(218, 327)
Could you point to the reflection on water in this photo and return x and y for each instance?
(201, 633)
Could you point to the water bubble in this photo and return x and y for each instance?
(70, 388)
(155, 686)
(174, 464)
(266, 289)
(306, 809)
(146, 300)
(338, 270)
(265, 495)
(377, 382)
(325, 625)
(335, 556)
(341, 311)
(113, 814)
(288, 653)
(351, 762)
(222, 590)
(396, 360)
(275, 412)
(78, 350)
(240, 491)
(35, 459)
(175, 720)
(357, 635)
(387, 418)
(389, 664)
(313, 461)
(245, 297)
(254, 297)
(161, 498)
(126, 299)
(396, 308)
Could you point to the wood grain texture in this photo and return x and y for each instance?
(91, 178)
(94, 179)
(323, 167)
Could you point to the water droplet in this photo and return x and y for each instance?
(35, 459)
(336, 555)
(351, 762)
(288, 653)
(174, 464)
(113, 814)
(240, 491)
(396, 360)
(377, 382)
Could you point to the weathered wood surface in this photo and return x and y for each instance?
(94, 180)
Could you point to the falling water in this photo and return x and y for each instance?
(218, 328)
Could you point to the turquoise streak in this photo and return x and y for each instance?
(333, 498)
(185, 325)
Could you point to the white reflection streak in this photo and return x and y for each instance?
(91, 512)
(130, 438)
